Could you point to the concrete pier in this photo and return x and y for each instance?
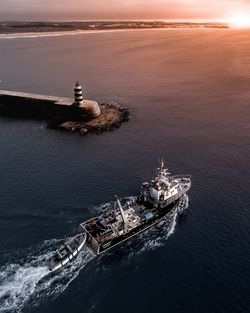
(56, 100)
(89, 105)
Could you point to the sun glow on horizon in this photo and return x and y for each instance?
(239, 21)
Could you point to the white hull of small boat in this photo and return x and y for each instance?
(67, 252)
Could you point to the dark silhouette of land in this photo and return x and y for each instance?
(37, 27)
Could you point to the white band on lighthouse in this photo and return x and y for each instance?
(78, 94)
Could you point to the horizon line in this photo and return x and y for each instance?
(176, 20)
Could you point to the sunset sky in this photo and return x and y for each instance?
(121, 9)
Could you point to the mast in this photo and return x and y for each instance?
(162, 173)
(125, 224)
(161, 164)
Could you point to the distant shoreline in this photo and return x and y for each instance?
(81, 32)
(12, 30)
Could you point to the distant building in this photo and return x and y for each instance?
(91, 106)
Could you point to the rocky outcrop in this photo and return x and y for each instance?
(111, 118)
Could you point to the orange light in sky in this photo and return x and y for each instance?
(239, 21)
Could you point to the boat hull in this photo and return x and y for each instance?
(55, 264)
(106, 246)
(101, 243)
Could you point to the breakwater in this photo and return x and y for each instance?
(60, 112)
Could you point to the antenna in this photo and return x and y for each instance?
(162, 162)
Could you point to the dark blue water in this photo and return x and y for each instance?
(188, 93)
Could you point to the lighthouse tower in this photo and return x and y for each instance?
(89, 107)
(78, 95)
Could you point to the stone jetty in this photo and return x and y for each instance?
(78, 115)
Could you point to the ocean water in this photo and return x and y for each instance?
(188, 92)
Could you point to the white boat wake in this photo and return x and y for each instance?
(17, 284)
(27, 283)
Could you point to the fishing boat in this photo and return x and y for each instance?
(155, 201)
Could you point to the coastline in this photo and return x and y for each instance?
(41, 31)
(69, 33)
(88, 32)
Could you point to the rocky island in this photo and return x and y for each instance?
(82, 116)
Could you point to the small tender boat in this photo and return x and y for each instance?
(67, 252)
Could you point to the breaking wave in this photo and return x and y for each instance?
(28, 282)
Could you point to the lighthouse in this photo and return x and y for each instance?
(90, 107)
(78, 95)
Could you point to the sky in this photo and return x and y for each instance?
(121, 9)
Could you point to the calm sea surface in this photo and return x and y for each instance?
(189, 96)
